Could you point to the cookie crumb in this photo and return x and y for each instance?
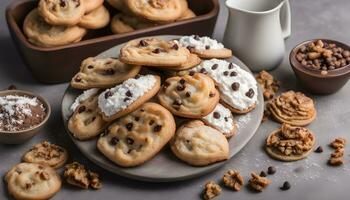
(76, 174)
(233, 180)
(286, 186)
(257, 182)
(211, 190)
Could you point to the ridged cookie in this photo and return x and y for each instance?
(199, 145)
(96, 19)
(32, 181)
(103, 73)
(128, 96)
(138, 136)
(189, 96)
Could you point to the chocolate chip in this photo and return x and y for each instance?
(191, 73)
(129, 126)
(157, 128)
(233, 74)
(151, 122)
(108, 94)
(214, 67)
(230, 66)
(114, 140)
(216, 115)
(196, 37)
(271, 170)
(286, 186)
(81, 109)
(126, 99)
(63, 3)
(137, 76)
(12, 87)
(157, 50)
(235, 86)
(180, 87)
(204, 71)
(207, 47)
(250, 93)
(143, 43)
(226, 119)
(137, 118)
(211, 94)
(225, 73)
(175, 46)
(90, 67)
(263, 174)
(319, 149)
(188, 94)
(129, 141)
(182, 81)
(128, 93)
(109, 71)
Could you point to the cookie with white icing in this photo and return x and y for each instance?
(238, 88)
(82, 97)
(103, 73)
(32, 181)
(62, 12)
(221, 119)
(199, 145)
(128, 96)
(96, 19)
(205, 47)
(138, 136)
(189, 96)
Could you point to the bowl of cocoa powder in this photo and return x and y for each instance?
(22, 115)
(322, 66)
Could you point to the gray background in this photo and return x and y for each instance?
(310, 179)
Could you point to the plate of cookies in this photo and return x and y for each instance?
(162, 108)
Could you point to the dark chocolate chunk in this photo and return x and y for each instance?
(225, 73)
(216, 115)
(143, 43)
(235, 86)
(214, 67)
(263, 174)
(286, 186)
(129, 141)
(319, 149)
(114, 140)
(129, 126)
(233, 73)
(81, 109)
(128, 93)
(271, 170)
(250, 93)
(108, 94)
(157, 128)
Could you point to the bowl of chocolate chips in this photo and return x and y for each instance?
(322, 66)
(22, 115)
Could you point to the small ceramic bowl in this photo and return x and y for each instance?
(313, 80)
(17, 137)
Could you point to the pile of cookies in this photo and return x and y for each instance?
(159, 92)
(60, 22)
(139, 14)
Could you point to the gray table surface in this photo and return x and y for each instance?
(310, 178)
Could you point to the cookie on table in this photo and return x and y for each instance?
(47, 154)
(58, 12)
(128, 96)
(189, 96)
(97, 18)
(221, 119)
(32, 181)
(238, 88)
(123, 23)
(138, 136)
(205, 47)
(153, 52)
(103, 73)
(86, 121)
(290, 143)
(156, 10)
(91, 5)
(199, 145)
(43, 34)
(293, 108)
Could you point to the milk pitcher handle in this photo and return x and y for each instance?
(285, 16)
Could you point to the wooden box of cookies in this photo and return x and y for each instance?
(55, 64)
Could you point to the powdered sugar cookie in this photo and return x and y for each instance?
(205, 47)
(128, 96)
(199, 145)
(189, 96)
(96, 19)
(103, 73)
(221, 119)
(91, 5)
(138, 136)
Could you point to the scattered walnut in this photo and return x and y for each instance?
(338, 143)
(269, 85)
(257, 182)
(76, 174)
(95, 181)
(336, 158)
(233, 179)
(211, 190)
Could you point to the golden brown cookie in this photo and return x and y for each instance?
(96, 19)
(103, 73)
(189, 96)
(293, 108)
(91, 5)
(290, 143)
(138, 136)
(122, 23)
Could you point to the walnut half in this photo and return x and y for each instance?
(233, 179)
(212, 190)
(257, 182)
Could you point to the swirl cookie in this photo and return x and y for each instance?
(122, 23)
(91, 5)
(205, 47)
(103, 73)
(153, 52)
(293, 108)
(290, 143)
(128, 96)
(62, 12)
(96, 19)
(43, 34)
(221, 119)
(189, 96)
(138, 136)
(238, 88)
(86, 121)
(47, 154)
(156, 10)
(32, 181)
(199, 145)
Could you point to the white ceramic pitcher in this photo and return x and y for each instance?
(256, 30)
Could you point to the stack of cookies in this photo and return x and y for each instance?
(139, 14)
(60, 22)
(160, 92)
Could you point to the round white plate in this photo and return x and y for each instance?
(165, 166)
